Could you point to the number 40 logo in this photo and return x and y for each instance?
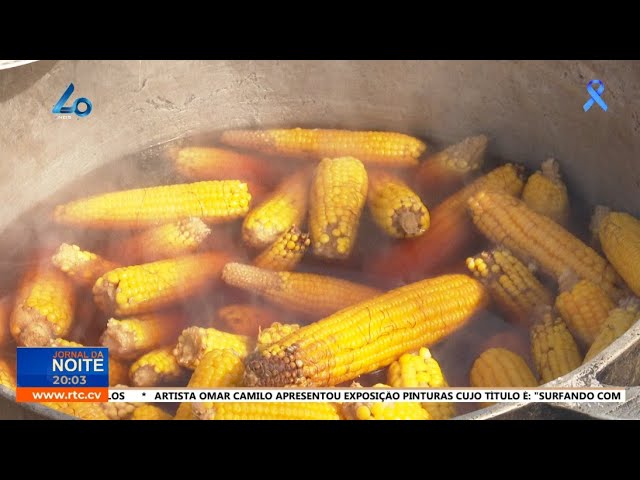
(59, 107)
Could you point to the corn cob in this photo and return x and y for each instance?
(284, 207)
(218, 368)
(6, 304)
(382, 148)
(583, 305)
(451, 234)
(118, 370)
(271, 411)
(369, 335)
(442, 173)
(337, 196)
(164, 241)
(82, 410)
(119, 410)
(301, 292)
(555, 352)
(152, 286)
(149, 412)
(44, 307)
(546, 193)
(195, 342)
(158, 367)
(383, 410)
(286, 252)
(421, 370)
(395, 208)
(501, 368)
(618, 321)
(619, 235)
(513, 287)
(246, 319)
(7, 372)
(515, 340)
(276, 332)
(214, 201)
(129, 338)
(83, 267)
(531, 236)
(209, 163)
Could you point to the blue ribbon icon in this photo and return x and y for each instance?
(595, 96)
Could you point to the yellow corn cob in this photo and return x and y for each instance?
(44, 307)
(214, 201)
(218, 368)
(149, 412)
(421, 370)
(501, 368)
(81, 266)
(618, 321)
(284, 207)
(6, 304)
(442, 173)
(82, 410)
(286, 252)
(302, 292)
(531, 236)
(118, 370)
(383, 148)
(7, 372)
(555, 352)
(129, 338)
(369, 335)
(338, 193)
(583, 305)
(513, 287)
(164, 241)
(383, 410)
(395, 208)
(158, 367)
(271, 411)
(276, 332)
(619, 235)
(246, 319)
(546, 193)
(152, 286)
(195, 342)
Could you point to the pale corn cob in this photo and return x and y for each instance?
(43, 307)
(276, 332)
(451, 233)
(158, 367)
(6, 304)
(532, 236)
(337, 197)
(119, 410)
(195, 342)
(214, 201)
(128, 338)
(501, 368)
(7, 372)
(555, 352)
(82, 266)
(246, 319)
(301, 292)
(441, 174)
(118, 370)
(82, 410)
(382, 148)
(271, 411)
(583, 305)
(394, 207)
(284, 207)
(383, 410)
(218, 368)
(512, 285)
(369, 335)
(618, 321)
(152, 286)
(421, 370)
(149, 412)
(619, 235)
(164, 241)
(286, 252)
(546, 193)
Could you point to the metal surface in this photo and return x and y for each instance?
(530, 109)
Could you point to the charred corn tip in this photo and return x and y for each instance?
(158, 367)
(599, 213)
(550, 168)
(286, 252)
(149, 412)
(82, 266)
(195, 342)
(501, 368)
(464, 156)
(618, 321)
(382, 410)
(276, 332)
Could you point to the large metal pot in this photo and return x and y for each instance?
(531, 110)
